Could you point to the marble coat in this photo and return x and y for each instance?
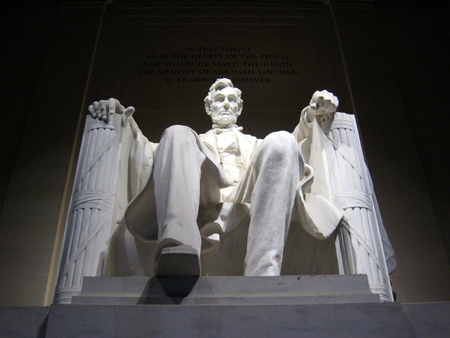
(317, 215)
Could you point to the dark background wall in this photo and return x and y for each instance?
(417, 36)
(47, 49)
(26, 28)
(392, 58)
(396, 56)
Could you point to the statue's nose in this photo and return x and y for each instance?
(226, 105)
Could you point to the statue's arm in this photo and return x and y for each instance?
(140, 166)
(140, 161)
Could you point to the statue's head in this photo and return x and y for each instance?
(223, 103)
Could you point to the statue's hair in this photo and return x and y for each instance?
(218, 86)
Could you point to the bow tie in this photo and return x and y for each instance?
(224, 130)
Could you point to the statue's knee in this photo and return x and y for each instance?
(177, 129)
(281, 141)
(178, 132)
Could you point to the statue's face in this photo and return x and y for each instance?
(224, 109)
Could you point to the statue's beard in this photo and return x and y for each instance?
(224, 121)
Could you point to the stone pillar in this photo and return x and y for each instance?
(359, 243)
(94, 206)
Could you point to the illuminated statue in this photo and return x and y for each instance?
(199, 196)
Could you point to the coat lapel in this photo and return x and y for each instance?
(247, 145)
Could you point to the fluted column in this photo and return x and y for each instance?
(93, 208)
(359, 245)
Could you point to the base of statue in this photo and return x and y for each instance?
(281, 290)
(289, 306)
(304, 320)
(286, 306)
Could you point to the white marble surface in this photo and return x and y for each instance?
(308, 179)
(280, 290)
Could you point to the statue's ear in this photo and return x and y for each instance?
(241, 106)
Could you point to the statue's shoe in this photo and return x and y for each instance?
(178, 261)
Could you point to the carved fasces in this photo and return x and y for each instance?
(96, 199)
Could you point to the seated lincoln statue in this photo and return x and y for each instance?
(224, 192)
(225, 165)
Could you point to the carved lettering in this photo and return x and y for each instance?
(194, 63)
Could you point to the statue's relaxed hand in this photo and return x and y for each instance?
(103, 108)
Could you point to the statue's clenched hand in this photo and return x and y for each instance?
(103, 108)
(322, 103)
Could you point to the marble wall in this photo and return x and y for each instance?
(152, 57)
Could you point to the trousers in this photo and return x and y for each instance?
(183, 182)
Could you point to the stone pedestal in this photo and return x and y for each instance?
(302, 320)
(283, 290)
(289, 306)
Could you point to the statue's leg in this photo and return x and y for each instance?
(176, 176)
(271, 182)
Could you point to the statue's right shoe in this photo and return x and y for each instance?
(178, 261)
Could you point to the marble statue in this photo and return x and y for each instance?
(190, 193)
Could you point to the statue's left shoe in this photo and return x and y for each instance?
(178, 261)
